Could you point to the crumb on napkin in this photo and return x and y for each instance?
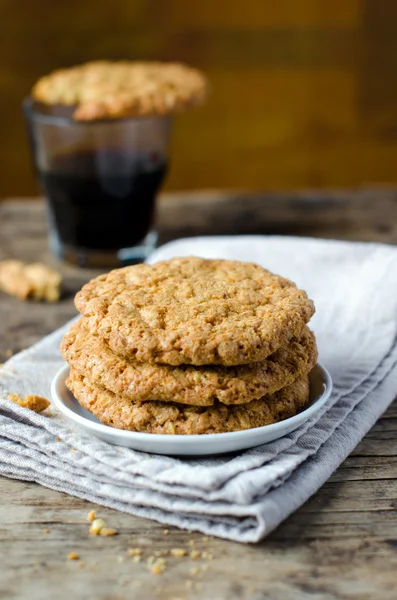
(31, 401)
(34, 281)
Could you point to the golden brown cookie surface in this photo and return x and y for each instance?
(172, 418)
(200, 386)
(194, 311)
(108, 90)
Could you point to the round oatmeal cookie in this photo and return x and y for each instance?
(109, 90)
(89, 355)
(194, 311)
(172, 418)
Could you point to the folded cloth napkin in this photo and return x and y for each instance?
(242, 496)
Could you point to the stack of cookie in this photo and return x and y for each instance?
(191, 346)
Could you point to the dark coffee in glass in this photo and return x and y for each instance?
(102, 208)
(101, 181)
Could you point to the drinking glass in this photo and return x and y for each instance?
(101, 180)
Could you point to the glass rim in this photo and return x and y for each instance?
(64, 120)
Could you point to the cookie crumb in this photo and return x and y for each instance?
(160, 552)
(80, 565)
(35, 281)
(178, 552)
(134, 551)
(157, 570)
(157, 566)
(97, 526)
(31, 401)
(73, 556)
(91, 516)
(46, 530)
(8, 353)
(108, 531)
(206, 556)
(194, 554)
(286, 308)
(136, 559)
(166, 532)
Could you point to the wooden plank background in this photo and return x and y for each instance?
(304, 93)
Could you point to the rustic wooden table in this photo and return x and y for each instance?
(340, 544)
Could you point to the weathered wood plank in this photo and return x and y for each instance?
(375, 447)
(321, 552)
(357, 215)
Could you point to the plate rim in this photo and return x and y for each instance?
(183, 439)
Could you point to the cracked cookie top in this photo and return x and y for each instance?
(110, 90)
(194, 311)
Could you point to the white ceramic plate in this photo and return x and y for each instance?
(189, 445)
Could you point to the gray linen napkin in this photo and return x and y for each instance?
(241, 496)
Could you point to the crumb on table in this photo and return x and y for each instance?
(156, 565)
(97, 526)
(31, 401)
(34, 281)
(73, 556)
(108, 531)
(136, 559)
(134, 551)
(178, 552)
